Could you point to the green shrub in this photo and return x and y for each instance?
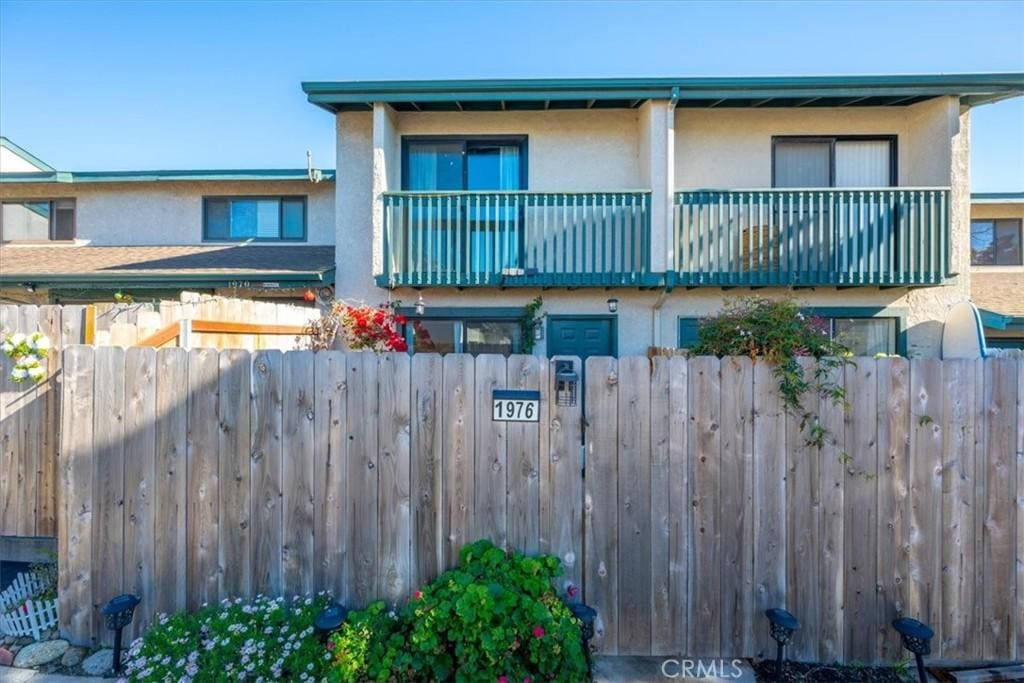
(494, 618)
(263, 639)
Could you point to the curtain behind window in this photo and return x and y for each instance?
(802, 164)
(862, 163)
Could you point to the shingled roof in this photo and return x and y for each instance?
(213, 265)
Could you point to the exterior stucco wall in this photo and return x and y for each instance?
(14, 163)
(355, 256)
(732, 148)
(568, 150)
(140, 213)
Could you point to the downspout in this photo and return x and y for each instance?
(670, 276)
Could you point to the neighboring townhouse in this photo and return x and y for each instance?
(84, 236)
(997, 266)
(636, 206)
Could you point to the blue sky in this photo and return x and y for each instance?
(109, 86)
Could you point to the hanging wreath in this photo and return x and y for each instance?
(29, 353)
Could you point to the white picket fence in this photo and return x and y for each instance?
(20, 615)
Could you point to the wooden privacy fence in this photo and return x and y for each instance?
(30, 414)
(195, 475)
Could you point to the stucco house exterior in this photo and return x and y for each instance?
(636, 206)
(82, 236)
(997, 266)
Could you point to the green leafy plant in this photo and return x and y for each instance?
(778, 332)
(529, 322)
(260, 639)
(496, 617)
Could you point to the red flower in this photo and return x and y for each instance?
(502, 679)
(538, 631)
(330, 644)
(572, 590)
(418, 595)
(401, 319)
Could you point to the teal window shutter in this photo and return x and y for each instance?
(688, 332)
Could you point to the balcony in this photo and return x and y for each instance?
(806, 237)
(517, 239)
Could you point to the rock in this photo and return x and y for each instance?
(6, 657)
(40, 653)
(73, 657)
(98, 663)
(24, 640)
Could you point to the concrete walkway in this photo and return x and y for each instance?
(11, 675)
(662, 669)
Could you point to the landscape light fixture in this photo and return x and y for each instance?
(330, 620)
(782, 625)
(917, 638)
(613, 305)
(118, 613)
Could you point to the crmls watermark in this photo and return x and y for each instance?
(701, 668)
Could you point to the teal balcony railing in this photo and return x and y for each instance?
(886, 237)
(517, 239)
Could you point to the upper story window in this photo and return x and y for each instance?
(254, 218)
(996, 242)
(836, 161)
(37, 220)
(464, 163)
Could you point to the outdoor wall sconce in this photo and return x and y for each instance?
(566, 383)
(782, 625)
(613, 305)
(330, 620)
(917, 638)
(118, 613)
(538, 332)
(421, 305)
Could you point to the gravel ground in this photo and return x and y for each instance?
(829, 673)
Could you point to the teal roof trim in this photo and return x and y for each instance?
(162, 176)
(588, 93)
(997, 197)
(999, 321)
(25, 154)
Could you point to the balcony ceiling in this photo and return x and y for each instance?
(629, 93)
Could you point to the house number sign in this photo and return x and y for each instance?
(508, 405)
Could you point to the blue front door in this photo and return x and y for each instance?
(582, 336)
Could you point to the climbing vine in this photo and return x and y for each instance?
(777, 331)
(529, 322)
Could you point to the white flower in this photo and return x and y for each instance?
(19, 374)
(17, 338)
(37, 372)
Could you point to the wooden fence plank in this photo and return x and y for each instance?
(362, 521)
(661, 512)
(108, 476)
(234, 524)
(924, 583)
(736, 517)
(706, 480)
(861, 537)
(562, 512)
(11, 506)
(959, 627)
(426, 468)
(74, 536)
(140, 483)
(298, 441)
(395, 542)
(998, 596)
(601, 577)
(266, 471)
(490, 454)
(29, 449)
(679, 498)
(831, 626)
(49, 391)
(170, 532)
(769, 497)
(523, 499)
(893, 411)
(330, 465)
(203, 477)
(459, 424)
